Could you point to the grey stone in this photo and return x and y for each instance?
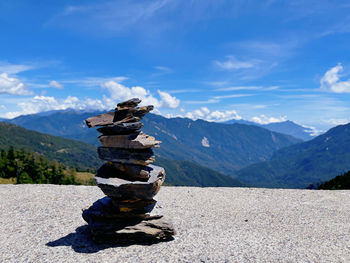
(125, 171)
(132, 103)
(142, 111)
(100, 120)
(122, 128)
(121, 189)
(109, 119)
(140, 157)
(103, 216)
(138, 140)
(126, 114)
(150, 230)
(114, 210)
(134, 206)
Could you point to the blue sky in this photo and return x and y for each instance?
(258, 60)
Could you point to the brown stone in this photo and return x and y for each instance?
(131, 156)
(122, 128)
(108, 224)
(134, 206)
(130, 141)
(135, 171)
(132, 103)
(124, 171)
(128, 113)
(100, 120)
(106, 209)
(125, 115)
(108, 119)
(121, 189)
(148, 231)
(142, 111)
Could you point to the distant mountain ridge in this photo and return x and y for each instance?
(306, 163)
(285, 127)
(221, 147)
(68, 123)
(224, 148)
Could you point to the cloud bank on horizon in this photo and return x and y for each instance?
(263, 61)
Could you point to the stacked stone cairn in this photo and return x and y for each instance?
(128, 179)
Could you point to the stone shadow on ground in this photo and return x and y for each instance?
(81, 242)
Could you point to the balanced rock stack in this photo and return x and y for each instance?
(128, 179)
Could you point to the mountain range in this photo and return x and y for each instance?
(306, 163)
(253, 155)
(285, 127)
(221, 147)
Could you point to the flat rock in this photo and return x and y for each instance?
(121, 189)
(134, 206)
(109, 119)
(109, 209)
(142, 111)
(125, 171)
(120, 114)
(104, 217)
(137, 140)
(150, 230)
(122, 128)
(100, 120)
(126, 114)
(139, 157)
(132, 103)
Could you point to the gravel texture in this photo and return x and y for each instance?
(43, 223)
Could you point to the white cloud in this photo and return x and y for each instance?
(119, 92)
(132, 17)
(93, 81)
(163, 70)
(312, 130)
(229, 96)
(240, 88)
(14, 68)
(262, 119)
(55, 84)
(12, 86)
(177, 91)
(231, 63)
(248, 88)
(46, 103)
(337, 121)
(205, 114)
(331, 81)
(216, 83)
(209, 101)
(168, 101)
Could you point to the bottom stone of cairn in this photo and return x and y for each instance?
(113, 221)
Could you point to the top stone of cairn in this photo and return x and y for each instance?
(126, 115)
(132, 103)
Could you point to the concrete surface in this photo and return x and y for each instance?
(43, 223)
